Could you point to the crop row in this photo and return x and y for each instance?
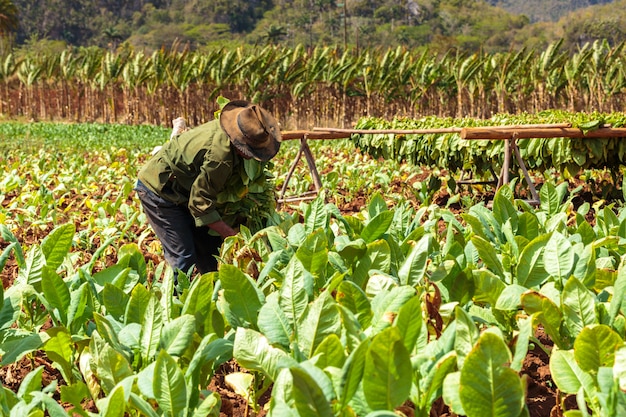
(308, 86)
(337, 315)
(329, 313)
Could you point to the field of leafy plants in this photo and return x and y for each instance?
(391, 293)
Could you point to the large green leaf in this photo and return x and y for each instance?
(56, 292)
(197, 300)
(354, 299)
(380, 255)
(114, 300)
(488, 286)
(350, 250)
(510, 298)
(330, 352)
(211, 352)
(413, 268)
(107, 330)
(113, 405)
(352, 373)
(376, 205)
(386, 306)
(115, 274)
(585, 268)
(595, 346)
(434, 380)
(210, 406)
(550, 199)
(133, 253)
(273, 322)
(14, 246)
(177, 335)
(410, 322)
(137, 305)
(111, 368)
(252, 351)
(169, 386)
(503, 208)
(488, 255)
(567, 375)
(15, 346)
(313, 253)
(450, 392)
(387, 373)
(60, 349)
(489, 388)
(475, 224)
(53, 407)
(80, 311)
(547, 313)
(242, 296)
(525, 327)
(558, 256)
(491, 226)
(320, 320)
(466, 334)
(31, 273)
(578, 306)
(31, 382)
(619, 368)
(298, 390)
(57, 244)
(377, 226)
(151, 329)
(295, 292)
(530, 267)
(316, 216)
(619, 291)
(528, 225)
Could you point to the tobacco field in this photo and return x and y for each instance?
(394, 292)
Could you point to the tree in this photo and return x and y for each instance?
(8, 17)
(9, 23)
(274, 34)
(112, 36)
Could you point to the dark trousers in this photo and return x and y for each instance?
(184, 244)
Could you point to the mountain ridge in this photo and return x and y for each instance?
(542, 10)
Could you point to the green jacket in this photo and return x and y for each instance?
(193, 169)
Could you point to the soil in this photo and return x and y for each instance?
(543, 398)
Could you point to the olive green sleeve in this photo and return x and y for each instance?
(203, 199)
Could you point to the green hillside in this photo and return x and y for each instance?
(440, 25)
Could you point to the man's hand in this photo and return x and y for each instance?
(223, 229)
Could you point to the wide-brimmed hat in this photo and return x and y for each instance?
(252, 129)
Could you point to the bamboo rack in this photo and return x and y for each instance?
(508, 133)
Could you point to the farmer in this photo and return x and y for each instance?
(179, 185)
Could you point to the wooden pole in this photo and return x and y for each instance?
(387, 131)
(301, 134)
(533, 191)
(436, 130)
(489, 133)
(310, 160)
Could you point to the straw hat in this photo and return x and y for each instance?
(252, 130)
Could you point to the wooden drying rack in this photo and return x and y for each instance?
(509, 133)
